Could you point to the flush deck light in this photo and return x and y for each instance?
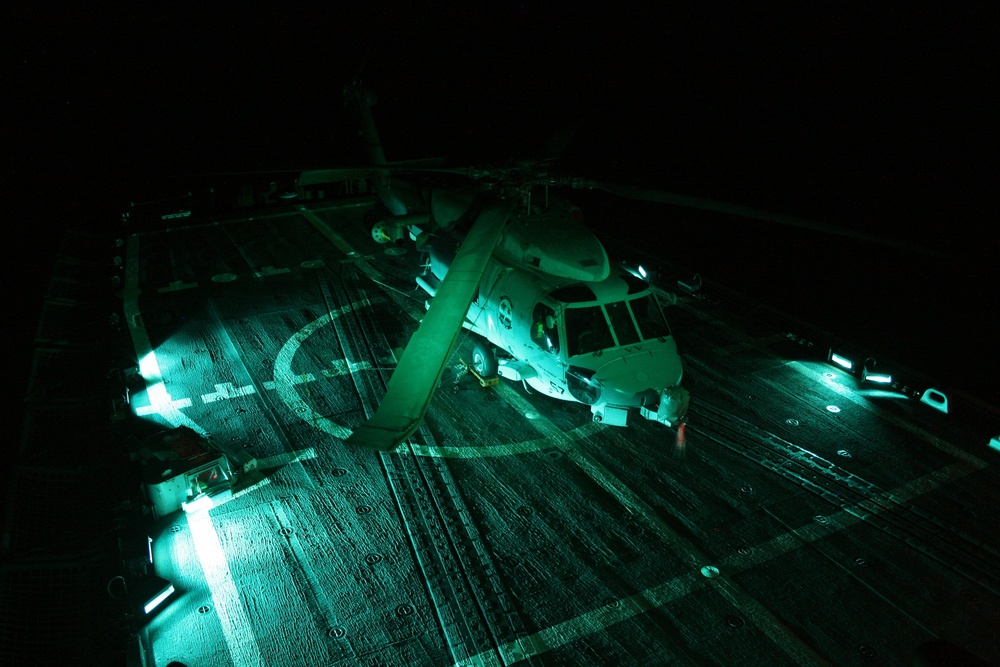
(840, 360)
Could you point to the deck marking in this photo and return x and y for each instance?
(160, 402)
(510, 449)
(343, 367)
(271, 271)
(285, 379)
(166, 407)
(598, 619)
(262, 482)
(290, 380)
(279, 460)
(765, 620)
(226, 390)
(236, 626)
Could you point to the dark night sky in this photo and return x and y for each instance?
(878, 117)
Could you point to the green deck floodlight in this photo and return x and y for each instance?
(995, 443)
(153, 591)
(158, 598)
(840, 360)
(691, 286)
(869, 374)
(202, 502)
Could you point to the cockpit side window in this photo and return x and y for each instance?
(545, 328)
(587, 330)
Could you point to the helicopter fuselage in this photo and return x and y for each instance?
(602, 341)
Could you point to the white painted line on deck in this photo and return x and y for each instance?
(160, 399)
(510, 449)
(285, 379)
(160, 402)
(279, 460)
(288, 380)
(236, 625)
(226, 390)
(344, 367)
(603, 617)
(262, 482)
(271, 271)
(757, 613)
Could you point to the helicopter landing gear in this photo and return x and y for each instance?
(484, 361)
(483, 366)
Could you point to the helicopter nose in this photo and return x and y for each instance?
(637, 378)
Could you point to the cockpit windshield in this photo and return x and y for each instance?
(650, 318)
(594, 328)
(587, 330)
(621, 322)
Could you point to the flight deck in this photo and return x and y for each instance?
(801, 516)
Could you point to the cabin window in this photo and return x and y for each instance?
(544, 328)
(622, 323)
(587, 330)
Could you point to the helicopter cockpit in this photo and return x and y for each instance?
(625, 313)
(605, 344)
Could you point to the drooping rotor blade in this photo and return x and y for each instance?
(419, 370)
(659, 196)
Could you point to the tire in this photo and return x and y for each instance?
(484, 360)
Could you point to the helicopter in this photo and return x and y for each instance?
(533, 284)
(536, 287)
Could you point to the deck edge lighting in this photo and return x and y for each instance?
(841, 361)
(160, 597)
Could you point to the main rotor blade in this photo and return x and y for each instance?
(310, 176)
(419, 371)
(659, 196)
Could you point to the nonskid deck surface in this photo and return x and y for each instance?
(805, 519)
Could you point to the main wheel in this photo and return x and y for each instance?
(484, 360)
